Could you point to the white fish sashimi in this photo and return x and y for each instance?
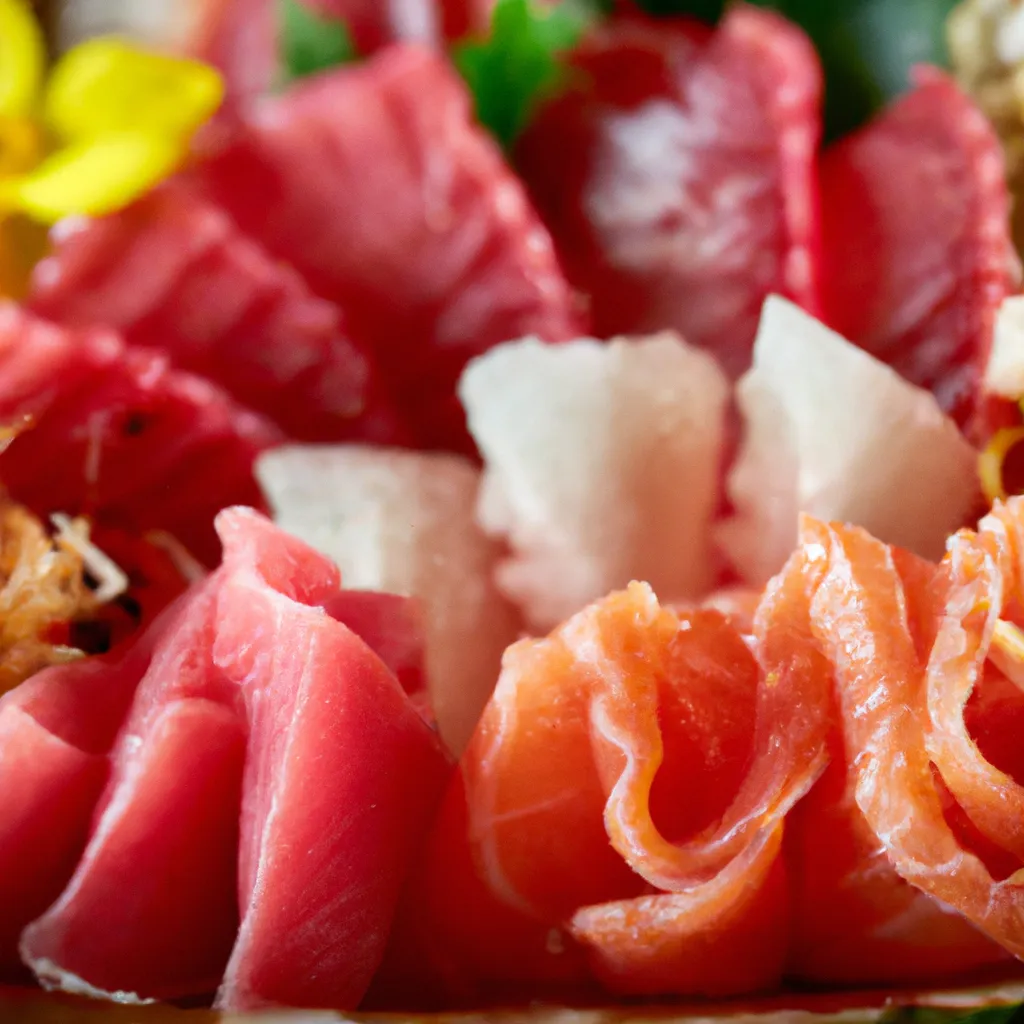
(602, 464)
(403, 522)
(833, 432)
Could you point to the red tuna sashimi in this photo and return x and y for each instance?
(565, 852)
(916, 237)
(163, 843)
(172, 272)
(116, 434)
(55, 733)
(677, 178)
(434, 261)
(242, 37)
(294, 778)
(336, 804)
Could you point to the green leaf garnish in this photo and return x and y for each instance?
(521, 62)
(1012, 1014)
(309, 42)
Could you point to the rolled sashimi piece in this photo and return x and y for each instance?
(112, 432)
(617, 817)
(929, 789)
(173, 273)
(268, 789)
(434, 262)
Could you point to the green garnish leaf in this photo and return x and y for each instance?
(1012, 1014)
(521, 63)
(310, 42)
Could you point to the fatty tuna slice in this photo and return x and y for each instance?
(434, 261)
(114, 433)
(678, 177)
(916, 237)
(173, 273)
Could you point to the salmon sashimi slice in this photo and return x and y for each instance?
(678, 177)
(618, 813)
(268, 788)
(908, 648)
(434, 262)
(916, 239)
(139, 446)
(172, 272)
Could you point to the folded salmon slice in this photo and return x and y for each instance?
(923, 789)
(916, 238)
(435, 261)
(139, 445)
(678, 178)
(267, 791)
(172, 272)
(618, 814)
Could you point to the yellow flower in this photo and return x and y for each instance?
(109, 123)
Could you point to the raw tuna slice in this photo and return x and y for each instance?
(241, 37)
(163, 847)
(172, 272)
(602, 465)
(433, 262)
(337, 803)
(405, 522)
(55, 733)
(916, 234)
(114, 433)
(678, 179)
(909, 647)
(619, 812)
(835, 433)
(268, 790)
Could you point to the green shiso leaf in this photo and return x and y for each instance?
(309, 42)
(521, 62)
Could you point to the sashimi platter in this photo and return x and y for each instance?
(512, 510)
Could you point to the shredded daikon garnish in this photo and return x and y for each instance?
(73, 535)
(187, 565)
(41, 586)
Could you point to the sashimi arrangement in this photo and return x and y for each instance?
(499, 508)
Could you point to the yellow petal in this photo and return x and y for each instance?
(94, 177)
(21, 145)
(105, 85)
(23, 243)
(22, 56)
